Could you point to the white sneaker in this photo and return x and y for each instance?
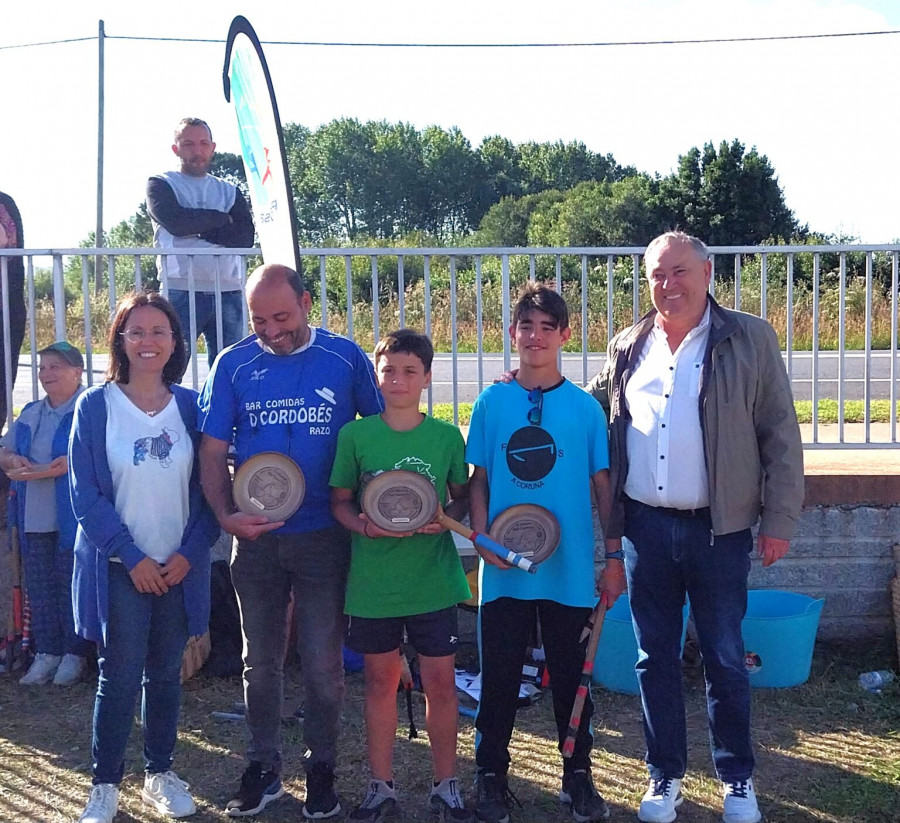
(42, 670)
(168, 794)
(660, 800)
(740, 802)
(70, 671)
(102, 804)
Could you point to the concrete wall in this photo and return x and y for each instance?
(843, 551)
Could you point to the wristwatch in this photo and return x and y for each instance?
(619, 555)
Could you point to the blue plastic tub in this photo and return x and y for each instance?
(779, 632)
(617, 651)
(353, 661)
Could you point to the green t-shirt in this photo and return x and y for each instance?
(400, 576)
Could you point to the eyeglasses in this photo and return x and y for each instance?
(536, 398)
(157, 335)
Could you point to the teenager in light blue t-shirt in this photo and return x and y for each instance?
(541, 440)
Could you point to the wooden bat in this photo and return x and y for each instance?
(596, 623)
(485, 542)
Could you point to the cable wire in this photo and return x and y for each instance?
(48, 43)
(598, 44)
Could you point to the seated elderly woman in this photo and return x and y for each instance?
(33, 455)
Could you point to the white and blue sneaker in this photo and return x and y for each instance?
(662, 797)
(740, 804)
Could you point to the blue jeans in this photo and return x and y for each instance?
(314, 566)
(672, 555)
(48, 581)
(233, 328)
(147, 636)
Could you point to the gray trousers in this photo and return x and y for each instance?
(265, 571)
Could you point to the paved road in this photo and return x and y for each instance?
(468, 382)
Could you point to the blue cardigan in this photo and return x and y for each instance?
(101, 533)
(24, 428)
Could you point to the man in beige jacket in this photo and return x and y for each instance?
(704, 442)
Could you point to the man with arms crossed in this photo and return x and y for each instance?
(192, 209)
(704, 442)
(288, 389)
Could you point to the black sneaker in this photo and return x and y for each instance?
(578, 792)
(257, 790)
(494, 798)
(380, 803)
(321, 800)
(446, 802)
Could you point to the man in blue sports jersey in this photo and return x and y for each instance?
(287, 388)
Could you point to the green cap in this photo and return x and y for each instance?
(66, 351)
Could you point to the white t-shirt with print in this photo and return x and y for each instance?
(150, 459)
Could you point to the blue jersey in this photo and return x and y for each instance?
(551, 465)
(294, 404)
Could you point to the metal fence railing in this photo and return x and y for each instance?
(835, 309)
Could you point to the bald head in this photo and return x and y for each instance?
(279, 308)
(273, 274)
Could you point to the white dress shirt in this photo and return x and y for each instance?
(666, 465)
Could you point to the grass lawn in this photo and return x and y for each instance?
(854, 411)
(826, 752)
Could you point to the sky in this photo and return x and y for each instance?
(821, 110)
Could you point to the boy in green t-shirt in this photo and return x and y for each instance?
(410, 581)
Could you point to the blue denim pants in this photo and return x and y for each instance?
(314, 566)
(233, 328)
(147, 636)
(672, 555)
(48, 581)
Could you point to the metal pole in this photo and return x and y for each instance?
(98, 236)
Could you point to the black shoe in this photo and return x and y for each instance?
(494, 798)
(257, 790)
(449, 806)
(578, 792)
(380, 803)
(321, 800)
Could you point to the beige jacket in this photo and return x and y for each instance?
(754, 455)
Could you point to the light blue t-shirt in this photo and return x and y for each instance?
(40, 495)
(551, 465)
(294, 404)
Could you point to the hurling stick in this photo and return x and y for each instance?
(18, 617)
(584, 685)
(10, 639)
(485, 542)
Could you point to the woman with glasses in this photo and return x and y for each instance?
(141, 581)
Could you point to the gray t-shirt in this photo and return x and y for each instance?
(207, 192)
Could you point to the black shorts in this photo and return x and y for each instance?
(433, 634)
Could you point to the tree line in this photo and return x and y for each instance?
(379, 183)
(356, 182)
